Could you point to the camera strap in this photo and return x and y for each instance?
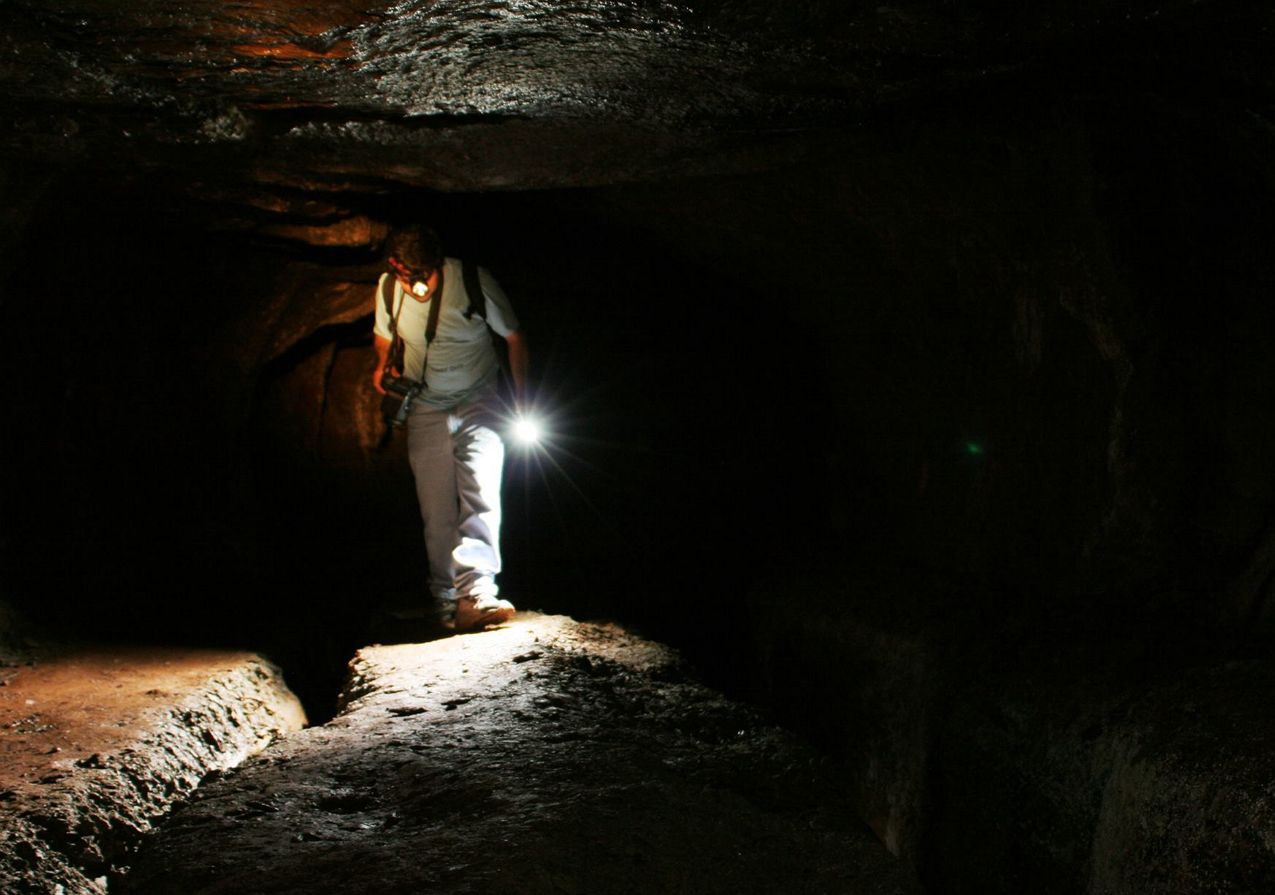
(395, 357)
(431, 327)
(396, 416)
(431, 323)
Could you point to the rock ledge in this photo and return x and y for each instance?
(96, 744)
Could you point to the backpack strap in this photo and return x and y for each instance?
(478, 305)
(474, 289)
(431, 325)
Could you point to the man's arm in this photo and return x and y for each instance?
(381, 344)
(382, 347)
(519, 361)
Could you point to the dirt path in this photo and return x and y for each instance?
(548, 756)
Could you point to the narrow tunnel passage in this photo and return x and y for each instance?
(945, 437)
(255, 480)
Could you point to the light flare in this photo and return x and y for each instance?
(528, 431)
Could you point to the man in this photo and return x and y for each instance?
(453, 439)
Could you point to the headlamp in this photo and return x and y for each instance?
(415, 281)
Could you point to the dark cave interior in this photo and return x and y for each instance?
(639, 342)
(944, 434)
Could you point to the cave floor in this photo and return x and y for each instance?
(544, 756)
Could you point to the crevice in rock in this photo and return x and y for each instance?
(329, 336)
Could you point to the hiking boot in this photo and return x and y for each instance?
(445, 615)
(473, 613)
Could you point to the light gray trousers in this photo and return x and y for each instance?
(457, 458)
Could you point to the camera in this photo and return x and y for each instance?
(400, 385)
(400, 394)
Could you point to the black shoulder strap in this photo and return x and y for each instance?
(478, 305)
(394, 359)
(474, 289)
(431, 325)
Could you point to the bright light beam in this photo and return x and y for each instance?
(528, 431)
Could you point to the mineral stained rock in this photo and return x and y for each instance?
(97, 744)
(548, 756)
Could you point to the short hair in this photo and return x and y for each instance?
(417, 247)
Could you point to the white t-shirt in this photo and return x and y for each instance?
(462, 361)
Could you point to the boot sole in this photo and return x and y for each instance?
(484, 619)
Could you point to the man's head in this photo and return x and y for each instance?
(415, 256)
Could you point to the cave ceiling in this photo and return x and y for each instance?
(460, 95)
(286, 118)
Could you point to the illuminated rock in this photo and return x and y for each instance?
(543, 756)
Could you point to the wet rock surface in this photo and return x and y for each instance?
(547, 756)
(465, 95)
(96, 744)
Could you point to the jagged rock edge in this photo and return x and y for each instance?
(100, 825)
